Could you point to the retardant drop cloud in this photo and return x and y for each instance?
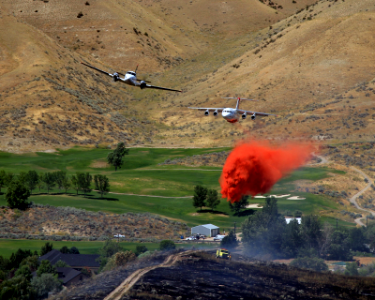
(254, 167)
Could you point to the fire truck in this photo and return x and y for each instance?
(223, 253)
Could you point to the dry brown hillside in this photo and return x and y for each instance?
(312, 64)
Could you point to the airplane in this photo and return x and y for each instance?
(130, 78)
(232, 114)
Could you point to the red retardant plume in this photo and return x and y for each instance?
(254, 167)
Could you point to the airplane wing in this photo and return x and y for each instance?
(260, 114)
(101, 71)
(208, 108)
(149, 86)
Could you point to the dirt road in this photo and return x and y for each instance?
(128, 283)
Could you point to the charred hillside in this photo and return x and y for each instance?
(199, 275)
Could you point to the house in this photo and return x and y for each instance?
(69, 276)
(207, 229)
(75, 261)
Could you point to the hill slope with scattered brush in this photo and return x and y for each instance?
(310, 63)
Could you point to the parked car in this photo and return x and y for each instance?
(219, 237)
(190, 238)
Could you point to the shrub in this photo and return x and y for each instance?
(167, 245)
(310, 263)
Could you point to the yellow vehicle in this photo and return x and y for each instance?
(223, 253)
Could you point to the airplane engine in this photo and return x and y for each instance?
(207, 112)
(215, 113)
(115, 77)
(142, 84)
(244, 116)
(253, 117)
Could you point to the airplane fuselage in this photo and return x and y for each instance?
(230, 114)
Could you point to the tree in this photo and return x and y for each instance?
(9, 178)
(357, 240)
(212, 199)
(109, 248)
(115, 158)
(17, 257)
(351, 269)
(49, 179)
(45, 267)
(40, 183)
(140, 249)
(75, 183)
(84, 182)
(31, 180)
(66, 184)
(17, 196)
(236, 207)
(310, 263)
(46, 283)
(17, 288)
(60, 178)
(74, 250)
(101, 184)
(46, 248)
(292, 239)
(65, 250)
(30, 261)
(311, 231)
(3, 176)
(25, 272)
(122, 258)
(229, 241)
(167, 245)
(61, 264)
(200, 194)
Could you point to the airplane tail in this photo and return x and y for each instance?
(238, 103)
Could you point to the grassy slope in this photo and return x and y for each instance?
(10, 246)
(142, 174)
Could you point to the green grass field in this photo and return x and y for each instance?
(7, 247)
(142, 174)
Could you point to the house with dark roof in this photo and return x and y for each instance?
(69, 276)
(75, 261)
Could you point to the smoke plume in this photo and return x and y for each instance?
(254, 167)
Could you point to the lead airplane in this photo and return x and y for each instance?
(232, 115)
(130, 78)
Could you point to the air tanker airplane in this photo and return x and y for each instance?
(232, 115)
(130, 78)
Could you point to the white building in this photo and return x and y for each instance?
(290, 219)
(208, 230)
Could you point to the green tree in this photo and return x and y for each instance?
(292, 239)
(212, 199)
(109, 248)
(311, 231)
(340, 245)
(17, 288)
(357, 240)
(236, 207)
(74, 250)
(200, 194)
(31, 180)
(66, 184)
(30, 261)
(65, 250)
(75, 183)
(84, 182)
(3, 177)
(140, 249)
(50, 180)
(60, 179)
(262, 232)
(40, 183)
(351, 269)
(167, 245)
(45, 267)
(25, 272)
(61, 264)
(47, 247)
(310, 263)
(229, 241)
(17, 196)
(115, 158)
(9, 178)
(17, 257)
(101, 184)
(46, 283)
